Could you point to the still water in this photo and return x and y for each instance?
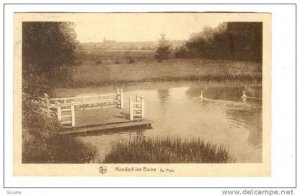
(176, 110)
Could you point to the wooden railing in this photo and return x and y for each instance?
(64, 108)
(66, 114)
(107, 100)
(136, 107)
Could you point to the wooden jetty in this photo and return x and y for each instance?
(82, 115)
(98, 120)
(108, 127)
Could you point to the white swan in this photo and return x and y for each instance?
(201, 96)
(244, 96)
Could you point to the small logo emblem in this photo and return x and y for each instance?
(102, 169)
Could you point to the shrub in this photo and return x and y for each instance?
(45, 145)
(162, 53)
(98, 62)
(130, 60)
(42, 142)
(181, 52)
(167, 150)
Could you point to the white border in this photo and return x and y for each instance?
(283, 98)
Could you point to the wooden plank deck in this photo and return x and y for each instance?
(90, 116)
(94, 120)
(145, 124)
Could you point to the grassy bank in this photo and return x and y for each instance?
(167, 150)
(168, 70)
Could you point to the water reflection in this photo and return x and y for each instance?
(102, 141)
(252, 119)
(163, 94)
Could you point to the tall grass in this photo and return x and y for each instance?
(167, 150)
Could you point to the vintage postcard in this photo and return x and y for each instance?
(142, 94)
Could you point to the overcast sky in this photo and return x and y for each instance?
(141, 27)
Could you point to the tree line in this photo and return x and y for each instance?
(228, 41)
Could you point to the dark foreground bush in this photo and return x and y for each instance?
(167, 151)
(43, 144)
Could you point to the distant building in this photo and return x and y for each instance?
(109, 43)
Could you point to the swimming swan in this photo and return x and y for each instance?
(201, 96)
(244, 96)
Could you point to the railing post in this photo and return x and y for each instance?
(130, 108)
(118, 98)
(121, 98)
(46, 97)
(143, 106)
(73, 114)
(58, 111)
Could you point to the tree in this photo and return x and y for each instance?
(230, 41)
(48, 51)
(48, 44)
(48, 48)
(163, 50)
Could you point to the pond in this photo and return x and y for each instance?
(176, 110)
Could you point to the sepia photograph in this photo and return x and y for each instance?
(141, 98)
(143, 88)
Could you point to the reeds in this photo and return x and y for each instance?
(167, 150)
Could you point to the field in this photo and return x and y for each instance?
(93, 56)
(109, 67)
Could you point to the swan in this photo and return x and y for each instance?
(244, 96)
(201, 96)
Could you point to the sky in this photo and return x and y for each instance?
(134, 27)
